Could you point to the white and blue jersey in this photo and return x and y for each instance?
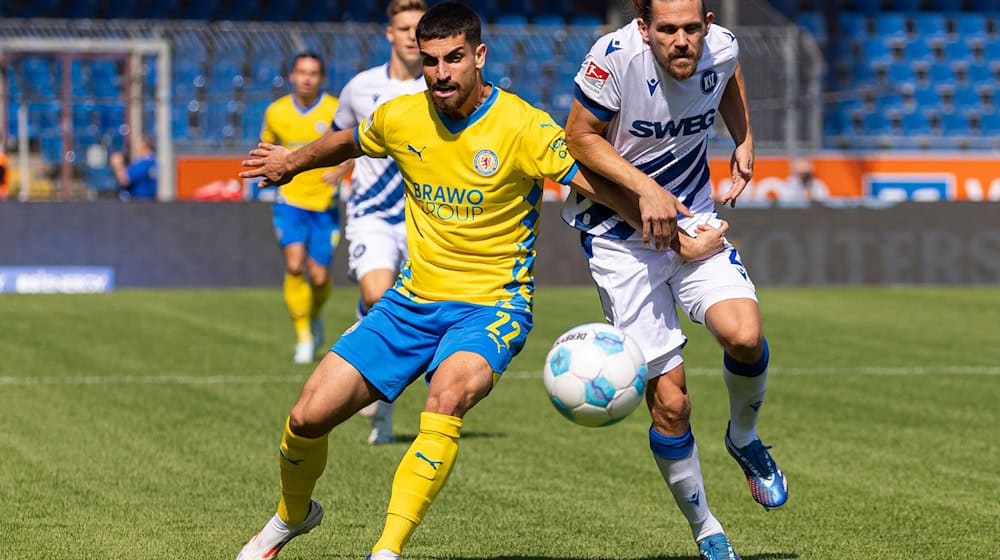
(376, 186)
(659, 124)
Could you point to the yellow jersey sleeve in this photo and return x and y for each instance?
(543, 151)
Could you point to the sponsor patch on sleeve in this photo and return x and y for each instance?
(594, 78)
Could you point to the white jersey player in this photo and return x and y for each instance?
(376, 227)
(647, 98)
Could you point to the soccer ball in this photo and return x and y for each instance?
(595, 374)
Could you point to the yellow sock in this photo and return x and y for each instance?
(302, 461)
(420, 475)
(319, 296)
(298, 298)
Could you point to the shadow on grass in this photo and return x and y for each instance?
(408, 438)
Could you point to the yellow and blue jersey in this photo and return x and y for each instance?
(288, 124)
(473, 193)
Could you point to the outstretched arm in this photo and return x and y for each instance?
(277, 165)
(736, 113)
(626, 204)
(658, 208)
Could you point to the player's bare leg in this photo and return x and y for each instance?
(736, 324)
(333, 393)
(461, 381)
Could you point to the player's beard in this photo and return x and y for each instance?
(451, 105)
(682, 69)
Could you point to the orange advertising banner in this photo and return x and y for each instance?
(923, 177)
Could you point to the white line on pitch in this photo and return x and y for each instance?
(515, 374)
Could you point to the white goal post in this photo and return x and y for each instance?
(133, 50)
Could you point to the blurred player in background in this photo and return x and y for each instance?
(647, 96)
(376, 228)
(137, 180)
(306, 215)
(473, 159)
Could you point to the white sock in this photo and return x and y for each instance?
(683, 477)
(746, 396)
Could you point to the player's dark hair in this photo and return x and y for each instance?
(450, 19)
(643, 9)
(312, 55)
(400, 6)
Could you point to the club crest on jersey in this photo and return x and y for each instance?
(709, 79)
(486, 162)
(321, 126)
(594, 77)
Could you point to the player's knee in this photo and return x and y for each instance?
(295, 269)
(318, 276)
(746, 345)
(671, 412)
(298, 422)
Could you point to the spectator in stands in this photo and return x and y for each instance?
(802, 184)
(137, 180)
(4, 177)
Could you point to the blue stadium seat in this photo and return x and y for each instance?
(957, 50)
(511, 19)
(226, 74)
(586, 21)
(980, 74)
(930, 27)
(853, 25)
(915, 122)
(876, 52)
(991, 51)
(940, 73)
(966, 100)
(989, 123)
(888, 102)
(927, 97)
(901, 73)
(813, 23)
(905, 5)
(917, 50)
(891, 26)
(875, 123)
(548, 20)
(955, 124)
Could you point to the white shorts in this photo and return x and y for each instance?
(640, 286)
(373, 244)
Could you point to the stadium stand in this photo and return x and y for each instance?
(932, 65)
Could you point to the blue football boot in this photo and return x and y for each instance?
(767, 483)
(717, 547)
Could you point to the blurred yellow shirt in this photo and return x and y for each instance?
(292, 126)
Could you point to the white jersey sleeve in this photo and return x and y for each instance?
(346, 115)
(598, 87)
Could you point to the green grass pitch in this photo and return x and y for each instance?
(144, 425)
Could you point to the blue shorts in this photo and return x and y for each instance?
(319, 231)
(400, 339)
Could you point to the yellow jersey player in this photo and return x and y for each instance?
(306, 215)
(473, 159)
